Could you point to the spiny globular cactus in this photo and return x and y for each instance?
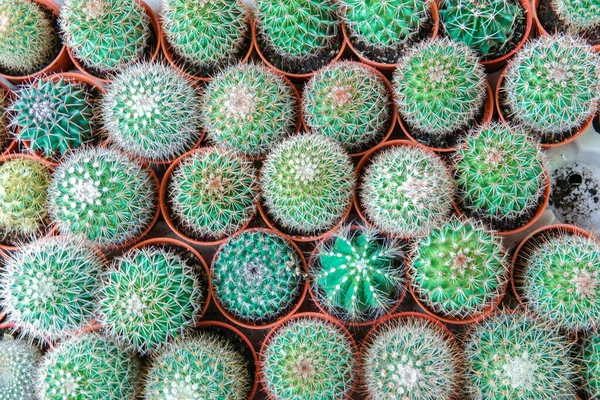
(151, 111)
(249, 108)
(350, 103)
(358, 275)
(257, 276)
(103, 195)
(579, 15)
(590, 365)
(18, 363)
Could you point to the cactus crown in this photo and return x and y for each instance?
(578, 15)
(358, 275)
(103, 195)
(350, 103)
(590, 363)
(307, 182)
(249, 108)
(18, 361)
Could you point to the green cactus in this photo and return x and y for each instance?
(307, 182)
(405, 191)
(257, 276)
(590, 365)
(440, 89)
(28, 40)
(105, 35)
(308, 359)
(208, 364)
(152, 112)
(213, 193)
(249, 108)
(350, 103)
(18, 362)
(103, 195)
(149, 295)
(55, 116)
(206, 35)
(578, 15)
(500, 174)
(552, 86)
(358, 275)
(88, 367)
(513, 356)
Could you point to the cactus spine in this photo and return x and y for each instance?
(18, 362)
(578, 15)
(590, 365)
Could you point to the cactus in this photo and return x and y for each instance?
(102, 195)
(309, 359)
(49, 287)
(105, 35)
(89, 367)
(358, 274)
(149, 295)
(28, 40)
(350, 103)
(590, 365)
(512, 356)
(208, 364)
(406, 191)
(500, 174)
(307, 182)
(552, 86)
(257, 276)
(440, 89)
(213, 193)
(411, 358)
(206, 35)
(249, 108)
(489, 27)
(18, 361)
(578, 15)
(152, 112)
(55, 116)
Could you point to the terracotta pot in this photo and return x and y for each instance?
(154, 51)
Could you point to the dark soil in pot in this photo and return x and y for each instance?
(552, 24)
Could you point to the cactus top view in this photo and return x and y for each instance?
(18, 363)
(578, 15)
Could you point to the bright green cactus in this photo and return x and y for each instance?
(512, 356)
(440, 89)
(28, 40)
(590, 365)
(257, 276)
(103, 195)
(406, 191)
(206, 35)
(88, 367)
(208, 364)
(105, 35)
(459, 269)
(152, 112)
(18, 362)
(578, 15)
(307, 182)
(350, 103)
(552, 86)
(500, 174)
(308, 359)
(358, 275)
(249, 108)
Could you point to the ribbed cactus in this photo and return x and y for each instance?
(257, 276)
(18, 362)
(440, 89)
(149, 295)
(552, 86)
(307, 182)
(358, 275)
(590, 365)
(103, 195)
(308, 359)
(208, 364)
(91, 367)
(105, 35)
(512, 356)
(501, 175)
(350, 103)
(28, 40)
(578, 15)
(49, 287)
(249, 108)
(405, 191)
(55, 116)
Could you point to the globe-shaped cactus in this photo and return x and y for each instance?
(18, 363)
(580, 16)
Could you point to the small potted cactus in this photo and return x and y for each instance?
(202, 37)
(352, 103)
(590, 365)
(551, 88)
(18, 361)
(258, 277)
(578, 17)
(308, 357)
